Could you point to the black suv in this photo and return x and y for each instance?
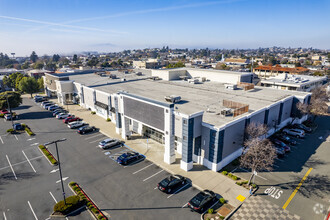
(86, 129)
(202, 200)
(171, 182)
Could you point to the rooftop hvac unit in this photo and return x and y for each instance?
(173, 98)
(194, 81)
(231, 86)
(226, 112)
(139, 73)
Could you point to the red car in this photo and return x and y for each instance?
(4, 111)
(70, 119)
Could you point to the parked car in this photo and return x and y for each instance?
(281, 144)
(9, 116)
(110, 142)
(54, 107)
(294, 132)
(280, 151)
(40, 98)
(59, 111)
(63, 115)
(76, 124)
(4, 111)
(170, 183)
(286, 139)
(202, 200)
(71, 119)
(86, 129)
(45, 102)
(129, 157)
(302, 127)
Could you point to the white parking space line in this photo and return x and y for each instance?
(143, 168)
(96, 140)
(153, 175)
(30, 139)
(155, 187)
(34, 144)
(32, 211)
(93, 136)
(63, 179)
(4, 216)
(184, 205)
(279, 159)
(176, 191)
(21, 162)
(1, 140)
(29, 162)
(11, 167)
(15, 136)
(53, 196)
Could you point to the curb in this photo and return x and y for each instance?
(46, 157)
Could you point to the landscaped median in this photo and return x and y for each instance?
(20, 128)
(48, 154)
(27, 129)
(87, 201)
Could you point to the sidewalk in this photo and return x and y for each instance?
(201, 177)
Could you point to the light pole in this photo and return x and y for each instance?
(59, 163)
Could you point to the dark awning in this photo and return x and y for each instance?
(101, 105)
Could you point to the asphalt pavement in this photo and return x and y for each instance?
(29, 185)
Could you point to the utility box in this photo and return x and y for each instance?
(173, 98)
(231, 86)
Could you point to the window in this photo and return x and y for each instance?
(166, 132)
(166, 110)
(184, 138)
(184, 121)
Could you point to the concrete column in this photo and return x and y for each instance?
(125, 128)
(169, 154)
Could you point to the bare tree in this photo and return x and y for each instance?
(254, 130)
(318, 103)
(260, 155)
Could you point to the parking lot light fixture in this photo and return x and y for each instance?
(59, 163)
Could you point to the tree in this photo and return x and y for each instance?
(38, 65)
(93, 62)
(29, 85)
(18, 79)
(33, 57)
(56, 58)
(11, 80)
(260, 155)
(75, 58)
(14, 99)
(318, 103)
(25, 65)
(50, 66)
(41, 83)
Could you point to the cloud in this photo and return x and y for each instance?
(60, 25)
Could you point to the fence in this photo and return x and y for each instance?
(245, 86)
(239, 108)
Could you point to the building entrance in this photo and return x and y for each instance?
(153, 134)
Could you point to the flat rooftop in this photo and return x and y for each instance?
(294, 80)
(195, 97)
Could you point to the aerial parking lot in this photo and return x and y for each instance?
(30, 185)
(300, 181)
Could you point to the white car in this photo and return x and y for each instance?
(294, 132)
(76, 124)
(109, 142)
(63, 115)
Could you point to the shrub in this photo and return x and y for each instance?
(10, 130)
(224, 172)
(91, 206)
(93, 112)
(28, 131)
(72, 202)
(222, 200)
(2, 115)
(245, 182)
(99, 216)
(48, 155)
(234, 177)
(108, 119)
(73, 184)
(239, 183)
(210, 211)
(94, 210)
(254, 185)
(222, 217)
(230, 175)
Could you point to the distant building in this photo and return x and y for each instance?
(268, 71)
(37, 73)
(147, 64)
(294, 82)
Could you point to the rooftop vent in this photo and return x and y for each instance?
(173, 98)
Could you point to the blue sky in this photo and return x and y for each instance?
(65, 26)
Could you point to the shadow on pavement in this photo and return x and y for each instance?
(35, 115)
(21, 107)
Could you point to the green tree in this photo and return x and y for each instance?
(11, 80)
(75, 58)
(25, 65)
(56, 58)
(33, 57)
(29, 85)
(38, 65)
(14, 99)
(41, 83)
(51, 66)
(93, 62)
(17, 80)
